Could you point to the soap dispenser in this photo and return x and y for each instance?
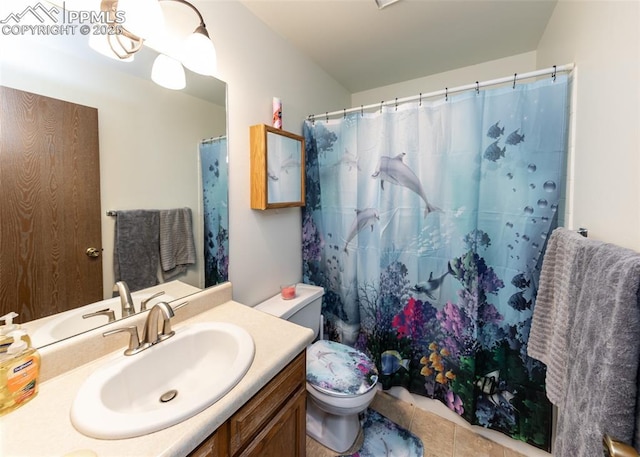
(19, 372)
(6, 329)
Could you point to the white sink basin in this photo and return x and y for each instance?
(70, 323)
(201, 363)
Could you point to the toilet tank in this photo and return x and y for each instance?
(303, 310)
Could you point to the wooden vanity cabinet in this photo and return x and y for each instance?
(271, 424)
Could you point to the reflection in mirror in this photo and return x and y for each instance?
(215, 176)
(149, 140)
(284, 168)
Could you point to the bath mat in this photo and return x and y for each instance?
(383, 438)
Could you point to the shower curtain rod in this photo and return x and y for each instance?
(447, 91)
(212, 139)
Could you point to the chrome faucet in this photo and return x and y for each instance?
(150, 334)
(125, 298)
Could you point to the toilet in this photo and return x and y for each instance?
(341, 380)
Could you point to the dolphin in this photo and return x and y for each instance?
(272, 176)
(350, 160)
(395, 171)
(364, 218)
(290, 163)
(429, 286)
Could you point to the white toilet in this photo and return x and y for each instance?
(340, 379)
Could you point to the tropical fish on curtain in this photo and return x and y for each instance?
(215, 188)
(426, 225)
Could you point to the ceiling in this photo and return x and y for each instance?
(364, 47)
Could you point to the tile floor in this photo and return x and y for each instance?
(440, 437)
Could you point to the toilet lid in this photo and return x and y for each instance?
(339, 370)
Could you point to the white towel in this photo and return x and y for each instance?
(177, 248)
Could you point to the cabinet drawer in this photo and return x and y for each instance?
(255, 415)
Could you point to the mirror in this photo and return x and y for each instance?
(277, 168)
(149, 136)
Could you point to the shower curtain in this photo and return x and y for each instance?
(215, 188)
(426, 224)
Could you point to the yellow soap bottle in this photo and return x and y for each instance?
(19, 372)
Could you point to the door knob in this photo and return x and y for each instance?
(92, 252)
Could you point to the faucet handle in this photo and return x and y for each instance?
(103, 312)
(135, 345)
(179, 305)
(143, 303)
(166, 325)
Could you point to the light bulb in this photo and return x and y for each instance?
(199, 54)
(168, 72)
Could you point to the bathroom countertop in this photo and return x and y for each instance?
(43, 426)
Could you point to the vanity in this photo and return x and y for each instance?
(262, 415)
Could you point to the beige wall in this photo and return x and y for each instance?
(520, 63)
(603, 39)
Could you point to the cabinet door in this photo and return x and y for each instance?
(214, 446)
(255, 416)
(285, 434)
(49, 205)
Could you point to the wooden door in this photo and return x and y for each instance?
(49, 205)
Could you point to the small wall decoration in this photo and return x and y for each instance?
(277, 168)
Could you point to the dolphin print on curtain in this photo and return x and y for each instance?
(426, 224)
(215, 188)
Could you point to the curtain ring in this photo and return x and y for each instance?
(477, 88)
(312, 118)
(553, 75)
(396, 103)
(326, 113)
(420, 99)
(514, 80)
(446, 94)
(381, 103)
(361, 111)
(344, 113)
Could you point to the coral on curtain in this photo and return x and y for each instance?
(215, 188)
(426, 223)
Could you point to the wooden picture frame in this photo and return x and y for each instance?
(277, 168)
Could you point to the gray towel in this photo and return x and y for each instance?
(603, 352)
(557, 295)
(136, 256)
(177, 248)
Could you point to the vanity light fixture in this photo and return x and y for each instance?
(144, 24)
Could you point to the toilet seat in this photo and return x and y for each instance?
(339, 370)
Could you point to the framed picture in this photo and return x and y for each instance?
(277, 168)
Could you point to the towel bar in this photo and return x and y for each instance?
(613, 448)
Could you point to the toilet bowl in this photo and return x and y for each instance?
(341, 381)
